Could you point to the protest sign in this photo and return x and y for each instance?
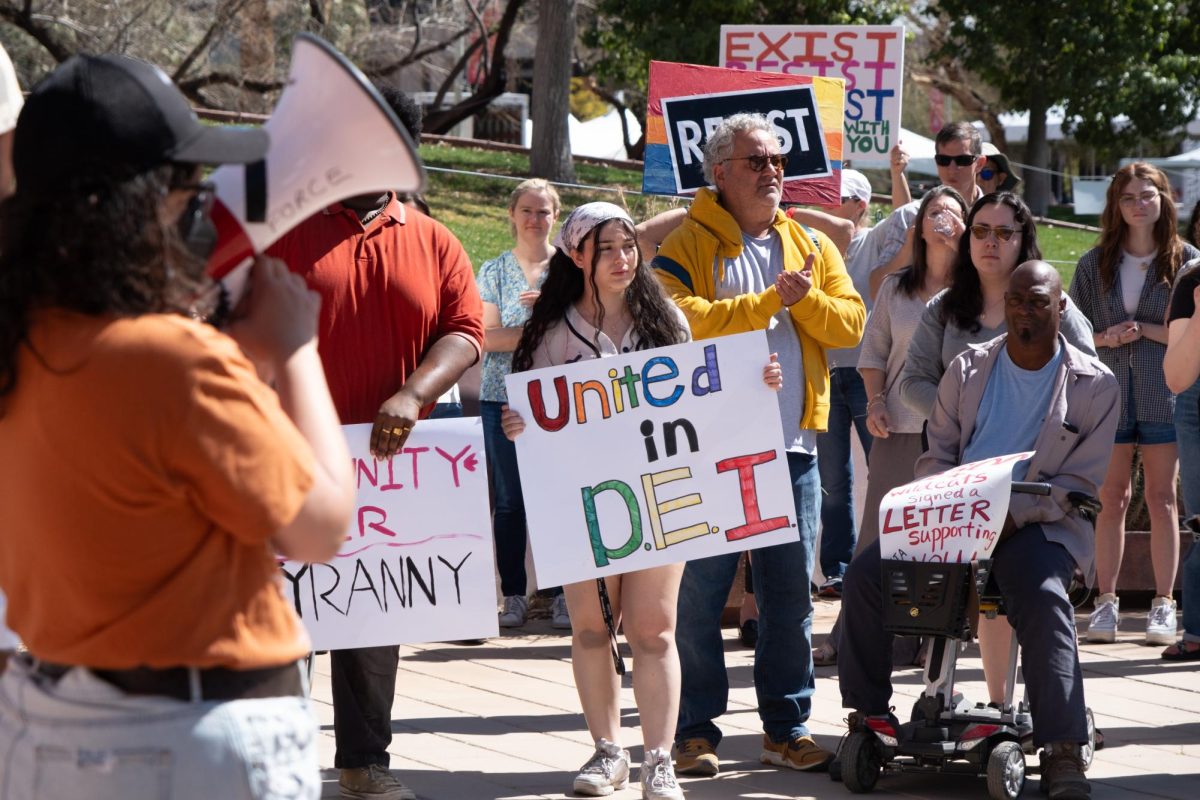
(869, 57)
(793, 111)
(686, 102)
(954, 516)
(651, 457)
(416, 565)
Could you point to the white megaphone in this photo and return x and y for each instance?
(332, 137)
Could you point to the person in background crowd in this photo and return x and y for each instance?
(996, 175)
(163, 657)
(391, 276)
(959, 158)
(1000, 234)
(600, 299)
(1181, 366)
(509, 285)
(897, 431)
(10, 106)
(1123, 286)
(736, 264)
(1017, 392)
(847, 397)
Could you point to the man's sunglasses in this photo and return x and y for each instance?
(1003, 234)
(758, 162)
(964, 160)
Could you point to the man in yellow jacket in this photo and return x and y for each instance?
(736, 264)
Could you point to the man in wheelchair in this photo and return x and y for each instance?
(1025, 390)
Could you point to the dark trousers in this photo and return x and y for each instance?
(364, 685)
(1033, 575)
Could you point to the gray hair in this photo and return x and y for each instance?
(719, 144)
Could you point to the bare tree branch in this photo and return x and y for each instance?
(192, 86)
(440, 121)
(34, 25)
(225, 14)
(317, 12)
(485, 58)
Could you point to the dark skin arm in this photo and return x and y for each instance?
(442, 366)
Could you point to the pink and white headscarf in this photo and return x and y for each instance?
(581, 221)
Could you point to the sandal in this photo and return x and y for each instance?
(1182, 651)
(824, 655)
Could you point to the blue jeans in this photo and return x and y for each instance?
(81, 737)
(783, 667)
(1187, 430)
(847, 407)
(508, 514)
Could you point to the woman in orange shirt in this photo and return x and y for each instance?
(149, 476)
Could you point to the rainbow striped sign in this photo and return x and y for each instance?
(733, 90)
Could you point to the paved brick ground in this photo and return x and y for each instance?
(501, 720)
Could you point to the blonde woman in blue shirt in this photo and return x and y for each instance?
(509, 284)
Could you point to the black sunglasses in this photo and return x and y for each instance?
(758, 163)
(964, 160)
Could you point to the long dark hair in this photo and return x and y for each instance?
(654, 320)
(1113, 230)
(912, 279)
(96, 247)
(964, 299)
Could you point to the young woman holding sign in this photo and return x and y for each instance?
(600, 299)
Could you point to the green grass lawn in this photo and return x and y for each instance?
(475, 206)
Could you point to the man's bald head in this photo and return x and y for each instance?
(1033, 305)
(1036, 273)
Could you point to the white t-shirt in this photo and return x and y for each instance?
(1133, 277)
(754, 271)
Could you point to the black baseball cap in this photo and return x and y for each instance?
(116, 116)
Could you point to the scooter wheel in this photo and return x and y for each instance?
(862, 759)
(1088, 751)
(835, 770)
(1006, 771)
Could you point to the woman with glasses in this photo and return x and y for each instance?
(1000, 234)
(897, 310)
(1123, 285)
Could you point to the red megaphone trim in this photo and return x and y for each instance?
(233, 245)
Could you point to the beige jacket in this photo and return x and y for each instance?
(1072, 450)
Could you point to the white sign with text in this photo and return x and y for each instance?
(652, 457)
(954, 516)
(416, 565)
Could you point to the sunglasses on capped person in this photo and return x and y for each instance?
(1002, 232)
(759, 162)
(964, 160)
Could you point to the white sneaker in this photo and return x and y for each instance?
(1102, 624)
(605, 771)
(658, 777)
(1161, 622)
(516, 607)
(560, 618)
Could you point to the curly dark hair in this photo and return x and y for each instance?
(964, 298)
(913, 278)
(654, 320)
(95, 247)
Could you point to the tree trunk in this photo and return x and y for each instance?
(551, 101)
(1037, 153)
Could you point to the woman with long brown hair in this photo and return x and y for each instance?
(1123, 285)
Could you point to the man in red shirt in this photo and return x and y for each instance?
(401, 321)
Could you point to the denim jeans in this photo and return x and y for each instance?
(508, 512)
(82, 737)
(783, 667)
(1187, 437)
(847, 409)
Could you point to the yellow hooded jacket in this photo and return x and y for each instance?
(831, 315)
